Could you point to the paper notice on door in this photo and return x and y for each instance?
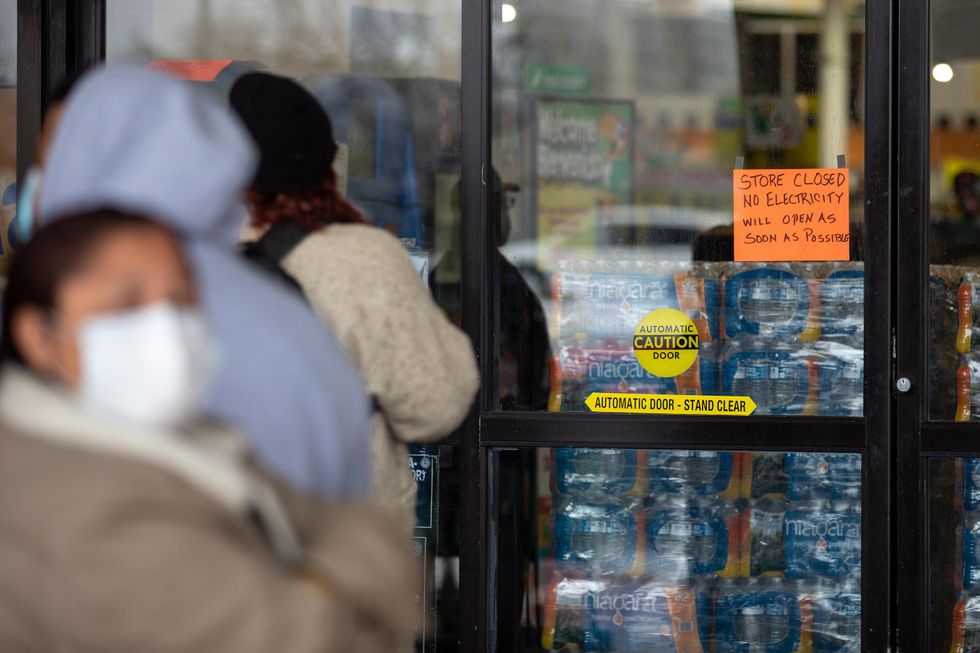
(792, 215)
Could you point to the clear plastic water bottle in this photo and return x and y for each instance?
(597, 470)
(670, 531)
(967, 628)
(836, 611)
(842, 303)
(689, 538)
(968, 389)
(597, 535)
(767, 475)
(749, 361)
(772, 302)
(760, 304)
(707, 472)
(765, 540)
(761, 616)
(971, 483)
(788, 378)
(846, 477)
(600, 465)
(847, 385)
(971, 551)
(824, 476)
(708, 359)
(761, 626)
(567, 601)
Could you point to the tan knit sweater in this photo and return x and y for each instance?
(421, 368)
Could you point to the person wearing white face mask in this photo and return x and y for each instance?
(129, 521)
(138, 140)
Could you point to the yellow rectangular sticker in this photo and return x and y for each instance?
(612, 402)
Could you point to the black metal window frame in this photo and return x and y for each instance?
(57, 39)
(917, 438)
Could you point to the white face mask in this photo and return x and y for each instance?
(151, 366)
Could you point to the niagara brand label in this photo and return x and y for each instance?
(612, 402)
(666, 342)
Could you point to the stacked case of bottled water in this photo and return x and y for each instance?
(944, 360)
(968, 346)
(966, 613)
(795, 337)
(597, 307)
(954, 343)
(791, 336)
(696, 551)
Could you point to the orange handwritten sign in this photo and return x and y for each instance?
(792, 215)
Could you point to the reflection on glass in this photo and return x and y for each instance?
(621, 123)
(389, 79)
(392, 92)
(688, 551)
(8, 127)
(524, 353)
(954, 205)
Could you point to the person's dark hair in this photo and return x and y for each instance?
(311, 208)
(715, 244)
(55, 253)
(295, 181)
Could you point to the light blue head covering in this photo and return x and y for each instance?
(139, 141)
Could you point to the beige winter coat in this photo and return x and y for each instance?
(420, 367)
(115, 541)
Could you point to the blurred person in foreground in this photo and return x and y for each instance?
(418, 368)
(128, 523)
(139, 141)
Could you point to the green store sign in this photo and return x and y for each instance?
(558, 80)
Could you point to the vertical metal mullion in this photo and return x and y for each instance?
(475, 265)
(57, 45)
(876, 464)
(493, 482)
(30, 62)
(475, 196)
(88, 28)
(911, 328)
(55, 40)
(41, 64)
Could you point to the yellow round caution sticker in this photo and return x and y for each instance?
(666, 342)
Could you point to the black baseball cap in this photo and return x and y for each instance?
(499, 186)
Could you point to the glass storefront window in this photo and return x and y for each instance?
(954, 206)
(388, 76)
(641, 550)
(616, 130)
(8, 126)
